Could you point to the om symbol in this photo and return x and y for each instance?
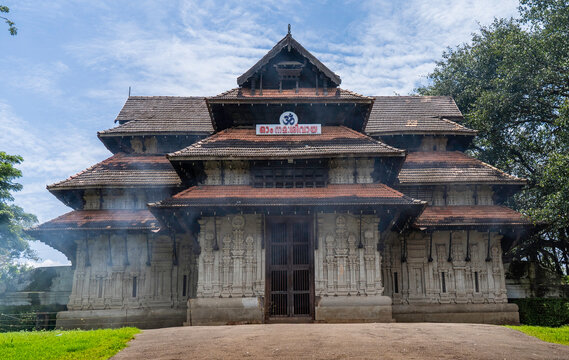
(288, 118)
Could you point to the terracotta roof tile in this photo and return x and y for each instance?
(123, 170)
(101, 220)
(438, 167)
(240, 195)
(303, 93)
(237, 143)
(142, 115)
(415, 115)
(473, 215)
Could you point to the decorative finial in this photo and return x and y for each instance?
(289, 29)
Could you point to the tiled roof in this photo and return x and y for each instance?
(123, 170)
(436, 167)
(101, 220)
(471, 215)
(415, 115)
(240, 195)
(289, 42)
(242, 143)
(303, 94)
(142, 115)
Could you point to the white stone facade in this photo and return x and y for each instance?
(133, 270)
(456, 274)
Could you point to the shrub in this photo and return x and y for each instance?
(543, 311)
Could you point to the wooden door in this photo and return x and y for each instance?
(290, 269)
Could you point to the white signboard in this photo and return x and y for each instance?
(288, 126)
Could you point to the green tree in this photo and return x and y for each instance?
(512, 84)
(14, 242)
(11, 26)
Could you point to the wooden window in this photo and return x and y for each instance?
(281, 174)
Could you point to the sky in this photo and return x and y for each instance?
(67, 73)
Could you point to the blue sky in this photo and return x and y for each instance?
(67, 72)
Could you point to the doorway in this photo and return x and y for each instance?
(290, 269)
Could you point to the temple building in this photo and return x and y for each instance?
(287, 198)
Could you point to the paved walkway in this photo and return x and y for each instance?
(340, 341)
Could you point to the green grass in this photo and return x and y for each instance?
(73, 344)
(557, 335)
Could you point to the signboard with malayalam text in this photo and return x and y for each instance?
(288, 126)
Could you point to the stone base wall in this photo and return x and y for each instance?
(140, 318)
(225, 311)
(344, 309)
(498, 314)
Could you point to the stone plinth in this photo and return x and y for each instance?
(225, 311)
(334, 309)
(499, 314)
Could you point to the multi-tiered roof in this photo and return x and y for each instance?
(161, 143)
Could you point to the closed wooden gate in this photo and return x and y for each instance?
(290, 269)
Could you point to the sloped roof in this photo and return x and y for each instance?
(440, 167)
(101, 220)
(303, 94)
(415, 115)
(242, 143)
(288, 41)
(471, 215)
(142, 115)
(123, 170)
(241, 195)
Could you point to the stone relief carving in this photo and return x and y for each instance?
(347, 268)
(459, 274)
(235, 270)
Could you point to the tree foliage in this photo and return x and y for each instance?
(14, 242)
(11, 26)
(512, 84)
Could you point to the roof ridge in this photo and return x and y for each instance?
(456, 124)
(151, 97)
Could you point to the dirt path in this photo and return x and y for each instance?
(340, 341)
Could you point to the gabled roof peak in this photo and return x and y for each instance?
(289, 43)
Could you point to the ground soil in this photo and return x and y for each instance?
(340, 341)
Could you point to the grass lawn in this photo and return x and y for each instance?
(73, 344)
(559, 335)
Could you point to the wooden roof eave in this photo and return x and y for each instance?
(290, 100)
(116, 134)
(474, 226)
(470, 132)
(173, 157)
(152, 186)
(58, 240)
(507, 182)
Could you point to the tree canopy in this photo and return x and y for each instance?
(512, 84)
(11, 26)
(13, 220)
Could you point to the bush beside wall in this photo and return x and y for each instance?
(543, 311)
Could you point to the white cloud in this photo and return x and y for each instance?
(208, 44)
(48, 153)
